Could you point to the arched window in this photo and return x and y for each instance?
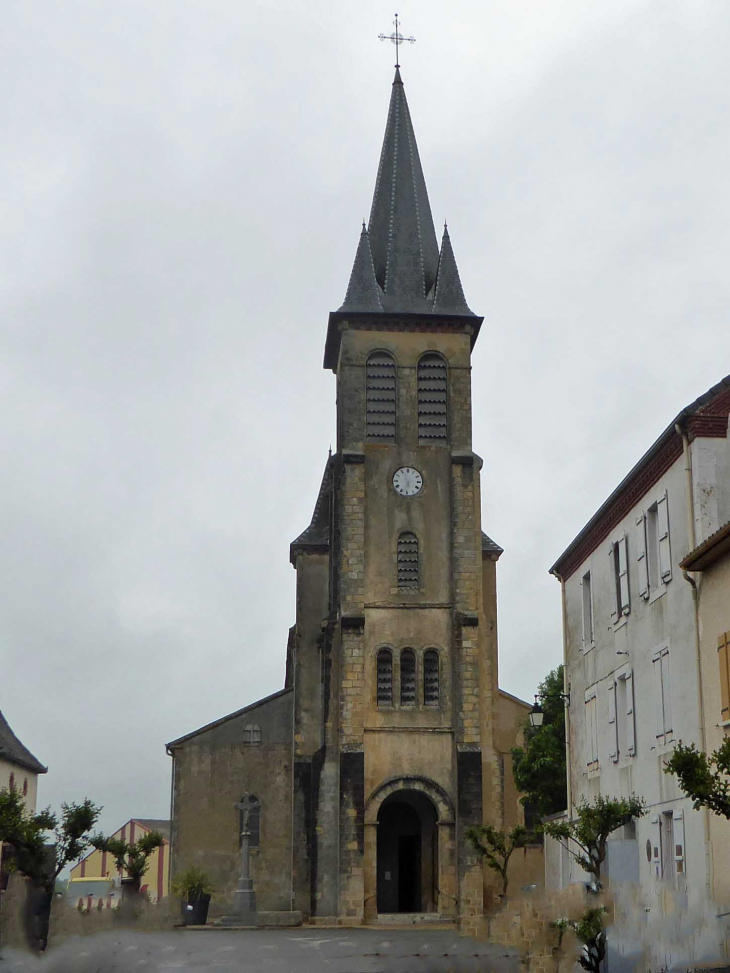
(251, 735)
(407, 561)
(432, 404)
(431, 678)
(408, 677)
(385, 677)
(254, 824)
(380, 391)
(12, 782)
(25, 787)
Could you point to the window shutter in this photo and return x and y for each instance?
(665, 554)
(612, 565)
(623, 575)
(666, 693)
(678, 831)
(655, 839)
(612, 723)
(589, 723)
(658, 702)
(630, 718)
(643, 567)
(723, 645)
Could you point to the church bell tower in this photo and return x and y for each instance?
(400, 731)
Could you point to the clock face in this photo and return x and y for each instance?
(407, 481)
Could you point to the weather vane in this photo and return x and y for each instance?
(396, 38)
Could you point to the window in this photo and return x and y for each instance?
(621, 725)
(591, 730)
(723, 651)
(25, 787)
(587, 596)
(407, 562)
(385, 678)
(654, 554)
(432, 400)
(431, 678)
(254, 823)
(620, 579)
(12, 782)
(663, 695)
(251, 735)
(408, 677)
(380, 391)
(665, 847)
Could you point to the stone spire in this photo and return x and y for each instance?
(449, 297)
(398, 268)
(402, 236)
(363, 291)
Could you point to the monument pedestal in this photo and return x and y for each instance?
(244, 898)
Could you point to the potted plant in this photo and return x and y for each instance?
(194, 888)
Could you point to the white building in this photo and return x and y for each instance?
(19, 771)
(631, 653)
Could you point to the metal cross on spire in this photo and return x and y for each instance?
(396, 38)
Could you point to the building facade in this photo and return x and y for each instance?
(709, 566)
(391, 736)
(156, 880)
(19, 772)
(631, 653)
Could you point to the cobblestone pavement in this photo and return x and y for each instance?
(262, 951)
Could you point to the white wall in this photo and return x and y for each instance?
(21, 775)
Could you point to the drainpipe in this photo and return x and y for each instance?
(566, 690)
(691, 533)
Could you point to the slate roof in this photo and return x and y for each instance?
(230, 716)
(317, 535)
(398, 265)
(12, 750)
(489, 546)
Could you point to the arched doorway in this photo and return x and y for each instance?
(407, 853)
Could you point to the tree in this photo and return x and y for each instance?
(496, 847)
(703, 778)
(589, 929)
(130, 858)
(585, 837)
(26, 834)
(539, 766)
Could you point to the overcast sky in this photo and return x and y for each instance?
(182, 189)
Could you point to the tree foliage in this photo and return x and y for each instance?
(132, 858)
(589, 930)
(496, 847)
(28, 836)
(705, 779)
(539, 766)
(586, 836)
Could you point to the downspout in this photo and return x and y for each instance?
(171, 753)
(566, 690)
(691, 533)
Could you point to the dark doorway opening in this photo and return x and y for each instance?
(407, 854)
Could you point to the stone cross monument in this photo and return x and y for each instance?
(244, 899)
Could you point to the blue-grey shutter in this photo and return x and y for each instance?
(641, 561)
(665, 553)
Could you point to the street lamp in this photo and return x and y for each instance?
(537, 714)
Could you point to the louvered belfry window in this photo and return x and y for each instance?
(408, 562)
(431, 678)
(385, 677)
(408, 677)
(380, 388)
(432, 406)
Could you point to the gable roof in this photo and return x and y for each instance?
(225, 719)
(12, 750)
(155, 824)
(707, 416)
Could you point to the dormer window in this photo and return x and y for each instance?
(380, 391)
(432, 400)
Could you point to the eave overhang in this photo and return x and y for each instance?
(704, 555)
(340, 321)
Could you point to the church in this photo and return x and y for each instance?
(391, 736)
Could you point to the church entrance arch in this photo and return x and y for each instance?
(409, 849)
(407, 854)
